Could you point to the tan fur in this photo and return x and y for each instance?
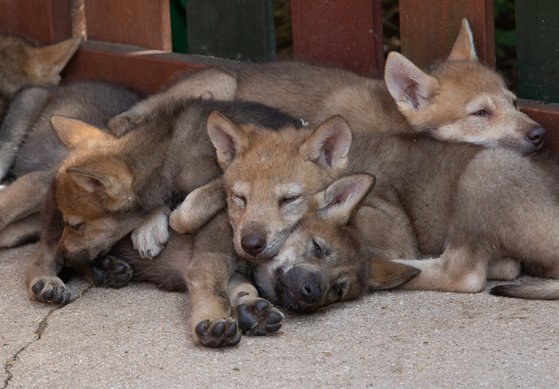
(107, 186)
(446, 103)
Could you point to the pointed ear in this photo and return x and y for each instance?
(409, 86)
(339, 201)
(388, 274)
(228, 139)
(75, 133)
(110, 179)
(463, 49)
(329, 145)
(45, 63)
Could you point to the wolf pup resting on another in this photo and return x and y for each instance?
(482, 210)
(40, 153)
(460, 101)
(107, 186)
(22, 65)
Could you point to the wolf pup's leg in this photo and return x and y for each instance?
(209, 83)
(150, 237)
(43, 283)
(207, 276)
(22, 231)
(23, 197)
(255, 315)
(198, 207)
(461, 268)
(22, 113)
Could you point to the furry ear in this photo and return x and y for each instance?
(388, 274)
(463, 49)
(409, 86)
(75, 133)
(329, 145)
(45, 63)
(228, 139)
(108, 178)
(339, 201)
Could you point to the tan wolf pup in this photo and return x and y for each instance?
(460, 100)
(107, 186)
(483, 211)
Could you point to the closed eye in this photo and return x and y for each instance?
(481, 112)
(288, 200)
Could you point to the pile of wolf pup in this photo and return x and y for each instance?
(283, 183)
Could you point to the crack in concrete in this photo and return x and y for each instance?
(41, 327)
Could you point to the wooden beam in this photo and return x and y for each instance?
(145, 70)
(145, 23)
(346, 34)
(43, 21)
(428, 28)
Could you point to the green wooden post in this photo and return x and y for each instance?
(235, 29)
(537, 34)
(178, 25)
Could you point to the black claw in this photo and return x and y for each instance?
(217, 329)
(38, 287)
(273, 327)
(262, 305)
(274, 317)
(202, 327)
(231, 329)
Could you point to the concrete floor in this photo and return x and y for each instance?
(138, 337)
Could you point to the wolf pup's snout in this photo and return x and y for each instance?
(304, 285)
(253, 243)
(536, 135)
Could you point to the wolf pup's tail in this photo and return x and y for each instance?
(542, 290)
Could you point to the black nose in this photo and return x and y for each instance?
(535, 135)
(253, 243)
(310, 291)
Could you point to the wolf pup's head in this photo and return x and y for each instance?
(22, 64)
(94, 191)
(270, 177)
(461, 100)
(322, 261)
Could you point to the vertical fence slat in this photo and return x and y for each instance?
(44, 21)
(537, 49)
(144, 23)
(428, 28)
(346, 34)
(235, 29)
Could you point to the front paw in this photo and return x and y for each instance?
(49, 290)
(218, 333)
(121, 124)
(150, 237)
(258, 317)
(111, 272)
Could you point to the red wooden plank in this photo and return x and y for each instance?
(428, 28)
(548, 116)
(43, 21)
(145, 23)
(145, 70)
(345, 34)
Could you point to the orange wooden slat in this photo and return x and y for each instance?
(43, 21)
(345, 34)
(428, 28)
(548, 116)
(145, 70)
(145, 23)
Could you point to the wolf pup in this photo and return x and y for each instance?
(107, 186)
(33, 168)
(322, 260)
(21, 65)
(459, 101)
